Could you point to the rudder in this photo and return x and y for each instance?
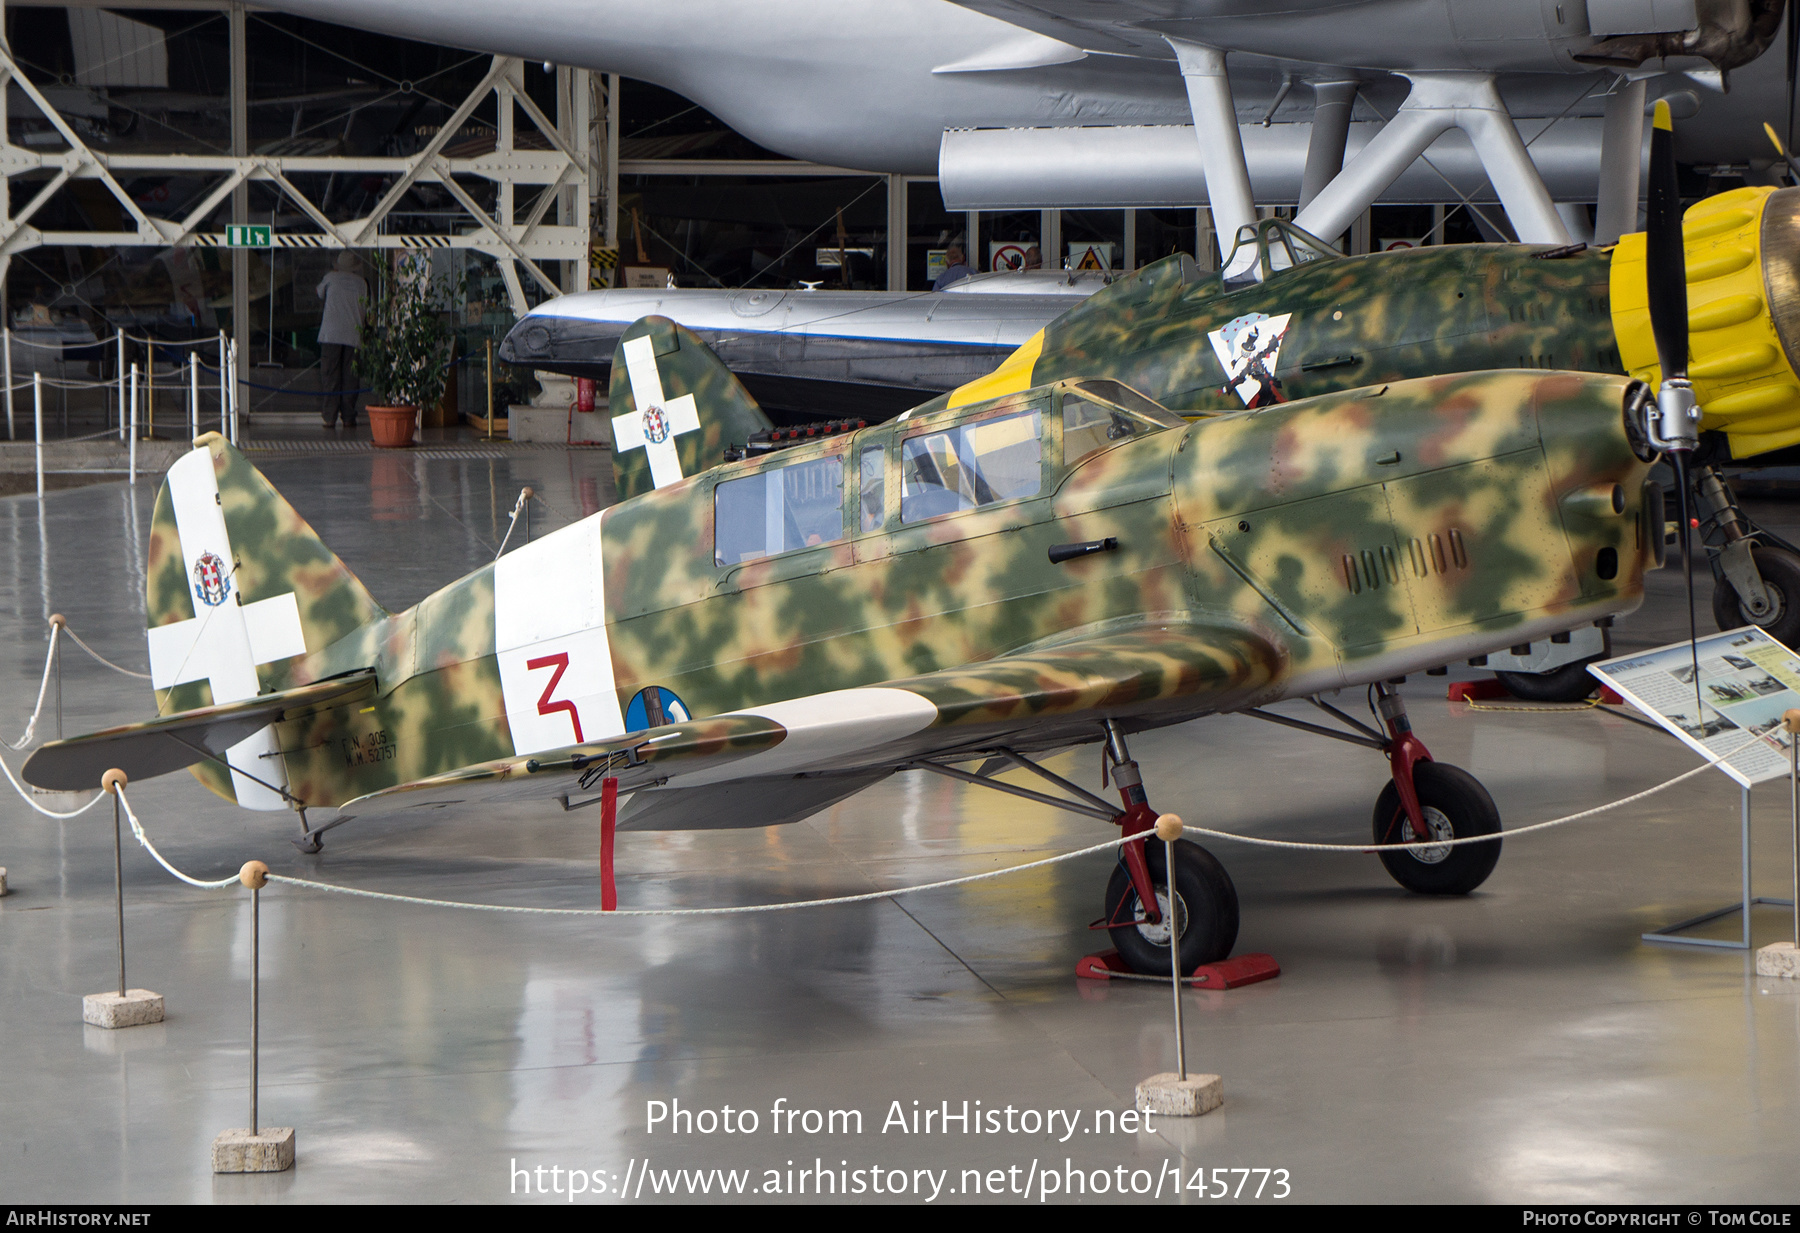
(676, 407)
(237, 585)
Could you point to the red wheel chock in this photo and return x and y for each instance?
(1226, 974)
(1484, 691)
(1477, 691)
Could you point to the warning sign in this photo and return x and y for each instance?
(1006, 256)
(1096, 256)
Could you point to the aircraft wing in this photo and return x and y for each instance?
(171, 742)
(786, 760)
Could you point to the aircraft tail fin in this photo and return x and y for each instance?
(676, 408)
(237, 585)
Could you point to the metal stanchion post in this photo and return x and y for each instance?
(10, 435)
(490, 389)
(1783, 958)
(1176, 1093)
(128, 1007)
(1168, 834)
(225, 425)
(37, 419)
(131, 442)
(57, 621)
(150, 390)
(255, 993)
(120, 335)
(119, 890)
(237, 393)
(254, 1150)
(193, 395)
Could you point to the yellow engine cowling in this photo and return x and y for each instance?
(1743, 274)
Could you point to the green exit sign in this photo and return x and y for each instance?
(242, 235)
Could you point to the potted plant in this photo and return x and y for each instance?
(406, 345)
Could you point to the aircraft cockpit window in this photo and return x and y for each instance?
(1122, 395)
(872, 465)
(1270, 246)
(779, 510)
(1090, 425)
(967, 465)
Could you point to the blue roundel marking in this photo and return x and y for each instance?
(654, 706)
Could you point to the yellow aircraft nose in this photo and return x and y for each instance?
(1743, 276)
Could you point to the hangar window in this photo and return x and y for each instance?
(779, 510)
(998, 458)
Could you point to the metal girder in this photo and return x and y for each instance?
(566, 168)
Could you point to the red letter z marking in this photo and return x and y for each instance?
(560, 662)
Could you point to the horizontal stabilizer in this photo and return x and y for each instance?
(172, 742)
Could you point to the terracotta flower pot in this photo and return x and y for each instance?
(392, 427)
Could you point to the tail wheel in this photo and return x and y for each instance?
(1205, 910)
(1455, 806)
(1569, 683)
(1781, 579)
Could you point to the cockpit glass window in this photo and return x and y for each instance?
(973, 464)
(779, 510)
(1122, 395)
(1269, 247)
(1089, 427)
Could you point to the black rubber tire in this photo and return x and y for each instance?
(1569, 683)
(1208, 909)
(1456, 798)
(1780, 572)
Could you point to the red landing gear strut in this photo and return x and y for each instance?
(1137, 818)
(1405, 751)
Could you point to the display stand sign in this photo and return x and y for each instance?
(1747, 680)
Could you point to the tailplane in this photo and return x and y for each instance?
(676, 407)
(238, 585)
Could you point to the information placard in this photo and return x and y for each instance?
(1747, 679)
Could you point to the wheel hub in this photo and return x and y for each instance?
(1157, 933)
(1439, 828)
(1770, 615)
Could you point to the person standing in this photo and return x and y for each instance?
(345, 295)
(956, 268)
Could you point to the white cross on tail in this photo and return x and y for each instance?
(656, 423)
(224, 640)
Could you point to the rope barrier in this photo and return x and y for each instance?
(1226, 836)
(99, 658)
(1293, 845)
(143, 839)
(43, 689)
(26, 795)
(137, 830)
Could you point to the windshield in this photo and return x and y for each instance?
(1270, 246)
(1129, 400)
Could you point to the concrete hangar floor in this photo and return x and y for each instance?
(1517, 1045)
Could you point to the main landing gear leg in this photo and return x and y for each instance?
(1425, 801)
(1150, 907)
(1137, 818)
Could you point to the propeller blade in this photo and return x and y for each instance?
(1665, 259)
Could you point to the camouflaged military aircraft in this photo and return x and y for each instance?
(1300, 318)
(955, 592)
